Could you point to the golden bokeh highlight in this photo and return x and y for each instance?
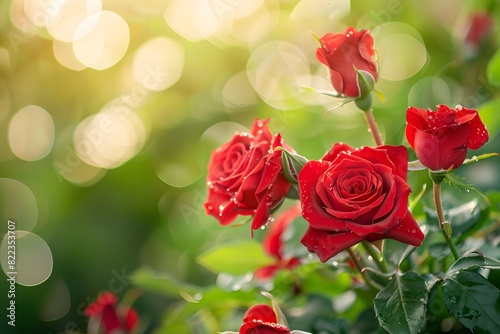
(31, 133)
(66, 16)
(63, 52)
(109, 138)
(158, 63)
(101, 40)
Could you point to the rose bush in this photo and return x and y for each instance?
(107, 317)
(352, 195)
(245, 176)
(344, 54)
(441, 138)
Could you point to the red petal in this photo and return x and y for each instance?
(407, 231)
(312, 210)
(328, 244)
(261, 312)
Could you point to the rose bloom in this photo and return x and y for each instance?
(356, 194)
(273, 244)
(441, 138)
(245, 176)
(109, 317)
(261, 319)
(342, 53)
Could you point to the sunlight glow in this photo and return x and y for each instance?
(31, 133)
(101, 40)
(158, 63)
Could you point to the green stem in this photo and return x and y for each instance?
(359, 267)
(373, 127)
(379, 260)
(440, 214)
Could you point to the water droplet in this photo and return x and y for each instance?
(453, 300)
(474, 312)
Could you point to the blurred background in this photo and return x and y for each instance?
(109, 111)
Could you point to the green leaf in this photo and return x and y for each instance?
(161, 283)
(493, 69)
(396, 252)
(472, 261)
(235, 258)
(401, 306)
(473, 300)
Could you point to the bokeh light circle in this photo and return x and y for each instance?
(31, 133)
(18, 204)
(57, 303)
(101, 40)
(34, 262)
(158, 63)
(238, 93)
(401, 50)
(69, 165)
(109, 138)
(67, 15)
(63, 52)
(277, 70)
(429, 92)
(194, 20)
(178, 174)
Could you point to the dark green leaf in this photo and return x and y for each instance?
(473, 300)
(235, 258)
(462, 217)
(473, 261)
(401, 306)
(452, 179)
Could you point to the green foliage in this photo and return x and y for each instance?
(493, 69)
(473, 300)
(401, 306)
(236, 258)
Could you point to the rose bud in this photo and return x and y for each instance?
(346, 55)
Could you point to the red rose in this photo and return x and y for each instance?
(273, 244)
(441, 139)
(356, 194)
(343, 53)
(112, 318)
(245, 176)
(261, 319)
